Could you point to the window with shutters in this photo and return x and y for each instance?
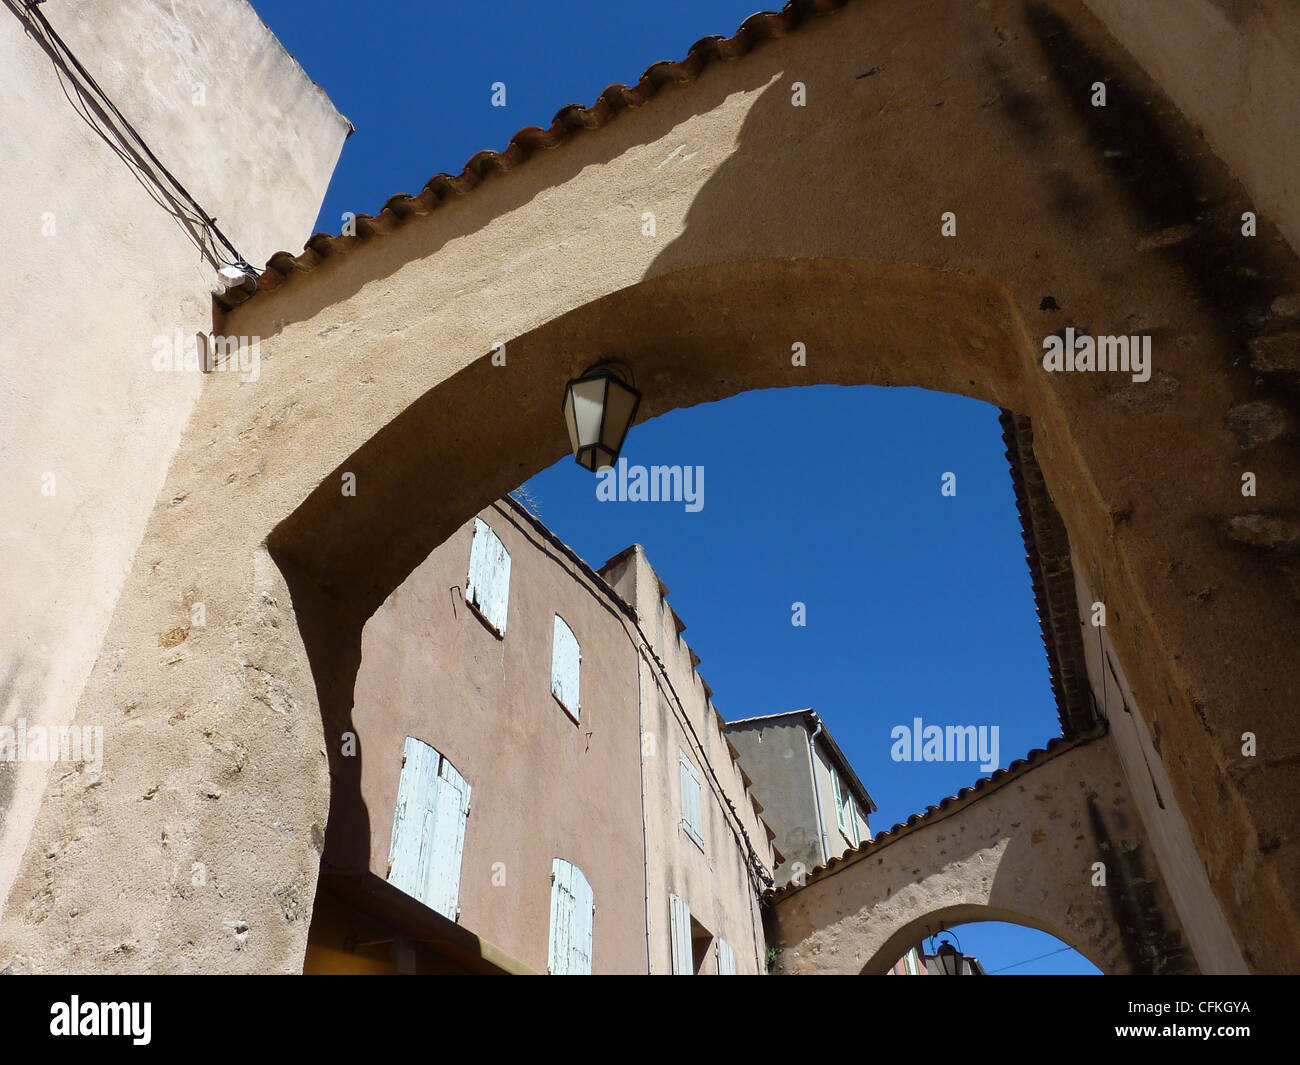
(692, 816)
(726, 959)
(692, 943)
(487, 588)
(844, 809)
(573, 908)
(424, 856)
(566, 660)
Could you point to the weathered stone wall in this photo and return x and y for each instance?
(1028, 846)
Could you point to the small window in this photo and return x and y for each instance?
(844, 809)
(573, 908)
(726, 959)
(566, 660)
(679, 915)
(424, 856)
(864, 826)
(487, 588)
(692, 942)
(692, 819)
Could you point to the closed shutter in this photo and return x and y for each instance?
(417, 794)
(692, 820)
(448, 841)
(566, 659)
(488, 583)
(679, 915)
(839, 802)
(572, 913)
(580, 925)
(424, 856)
(726, 959)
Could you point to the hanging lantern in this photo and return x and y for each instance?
(599, 408)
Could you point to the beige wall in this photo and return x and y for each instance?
(1023, 847)
(775, 224)
(1230, 66)
(713, 879)
(836, 840)
(542, 785)
(80, 308)
(1155, 801)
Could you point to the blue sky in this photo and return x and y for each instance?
(918, 605)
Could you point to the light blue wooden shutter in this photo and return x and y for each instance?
(488, 583)
(580, 925)
(692, 820)
(839, 801)
(561, 906)
(424, 856)
(726, 959)
(448, 844)
(417, 791)
(572, 913)
(679, 919)
(566, 659)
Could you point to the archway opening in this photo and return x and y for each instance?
(982, 948)
(855, 550)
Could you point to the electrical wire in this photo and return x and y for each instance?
(198, 225)
(1040, 957)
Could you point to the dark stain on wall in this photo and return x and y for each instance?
(1138, 906)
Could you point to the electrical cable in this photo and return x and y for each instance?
(91, 95)
(1040, 957)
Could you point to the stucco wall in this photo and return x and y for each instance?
(1230, 66)
(775, 755)
(94, 270)
(543, 786)
(837, 840)
(775, 224)
(1156, 803)
(713, 878)
(1029, 847)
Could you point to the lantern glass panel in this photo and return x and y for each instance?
(620, 408)
(583, 409)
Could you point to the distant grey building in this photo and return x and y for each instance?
(810, 795)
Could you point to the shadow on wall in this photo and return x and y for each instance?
(443, 459)
(461, 215)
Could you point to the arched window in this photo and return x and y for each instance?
(566, 660)
(573, 908)
(428, 828)
(487, 588)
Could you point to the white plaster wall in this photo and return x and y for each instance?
(81, 304)
(1184, 876)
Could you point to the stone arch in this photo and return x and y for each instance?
(915, 930)
(862, 318)
(820, 225)
(1053, 842)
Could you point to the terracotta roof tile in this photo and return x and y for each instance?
(951, 804)
(1047, 551)
(531, 139)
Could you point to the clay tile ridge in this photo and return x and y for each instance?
(1058, 746)
(531, 139)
